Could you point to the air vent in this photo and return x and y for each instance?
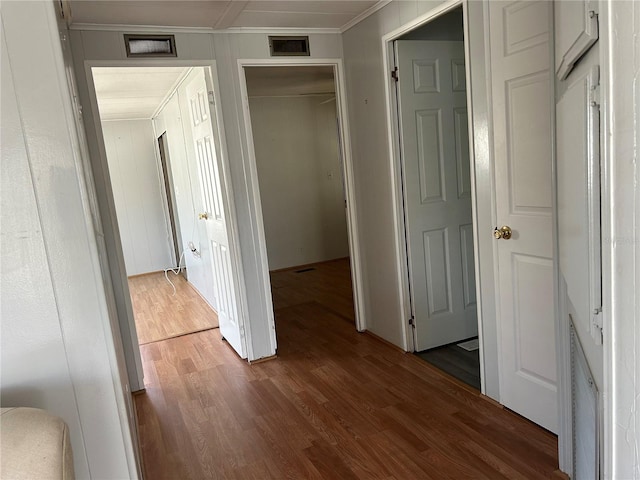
(150, 45)
(289, 46)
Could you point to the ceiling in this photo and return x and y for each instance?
(222, 14)
(126, 93)
(286, 81)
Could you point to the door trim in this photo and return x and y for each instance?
(482, 180)
(352, 220)
(126, 320)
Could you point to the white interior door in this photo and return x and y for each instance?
(522, 88)
(437, 182)
(215, 211)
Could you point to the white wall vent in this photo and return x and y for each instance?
(585, 415)
(150, 45)
(289, 46)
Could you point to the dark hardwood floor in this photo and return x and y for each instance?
(456, 361)
(327, 283)
(334, 404)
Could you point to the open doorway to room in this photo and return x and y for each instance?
(297, 144)
(150, 146)
(437, 197)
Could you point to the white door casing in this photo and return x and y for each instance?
(215, 211)
(437, 184)
(522, 90)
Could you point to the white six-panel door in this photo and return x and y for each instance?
(522, 90)
(437, 181)
(214, 210)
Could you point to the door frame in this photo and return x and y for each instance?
(162, 154)
(127, 324)
(347, 172)
(481, 178)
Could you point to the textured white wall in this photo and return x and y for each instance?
(300, 179)
(57, 351)
(621, 238)
(139, 200)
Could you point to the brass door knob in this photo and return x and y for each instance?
(504, 232)
(203, 216)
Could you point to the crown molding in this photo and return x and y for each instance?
(138, 28)
(167, 29)
(281, 30)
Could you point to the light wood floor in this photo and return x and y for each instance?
(159, 314)
(334, 404)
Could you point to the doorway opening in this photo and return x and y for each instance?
(161, 150)
(295, 119)
(297, 144)
(435, 167)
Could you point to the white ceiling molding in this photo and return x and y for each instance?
(138, 28)
(280, 31)
(167, 29)
(365, 14)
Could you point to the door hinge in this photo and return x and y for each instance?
(78, 108)
(394, 73)
(412, 322)
(212, 99)
(594, 90)
(596, 327)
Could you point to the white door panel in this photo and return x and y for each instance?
(214, 213)
(522, 89)
(437, 181)
(197, 253)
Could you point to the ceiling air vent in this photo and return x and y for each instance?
(150, 45)
(289, 46)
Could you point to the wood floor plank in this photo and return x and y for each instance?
(334, 404)
(161, 313)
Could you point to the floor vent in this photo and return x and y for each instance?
(585, 416)
(305, 270)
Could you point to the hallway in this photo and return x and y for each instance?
(333, 404)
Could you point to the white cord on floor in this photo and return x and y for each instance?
(176, 271)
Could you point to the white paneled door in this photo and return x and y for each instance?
(437, 182)
(214, 210)
(522, 90)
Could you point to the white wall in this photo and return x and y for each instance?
(300, 179)
(620, 26)
(57, 349)
(138, 195)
